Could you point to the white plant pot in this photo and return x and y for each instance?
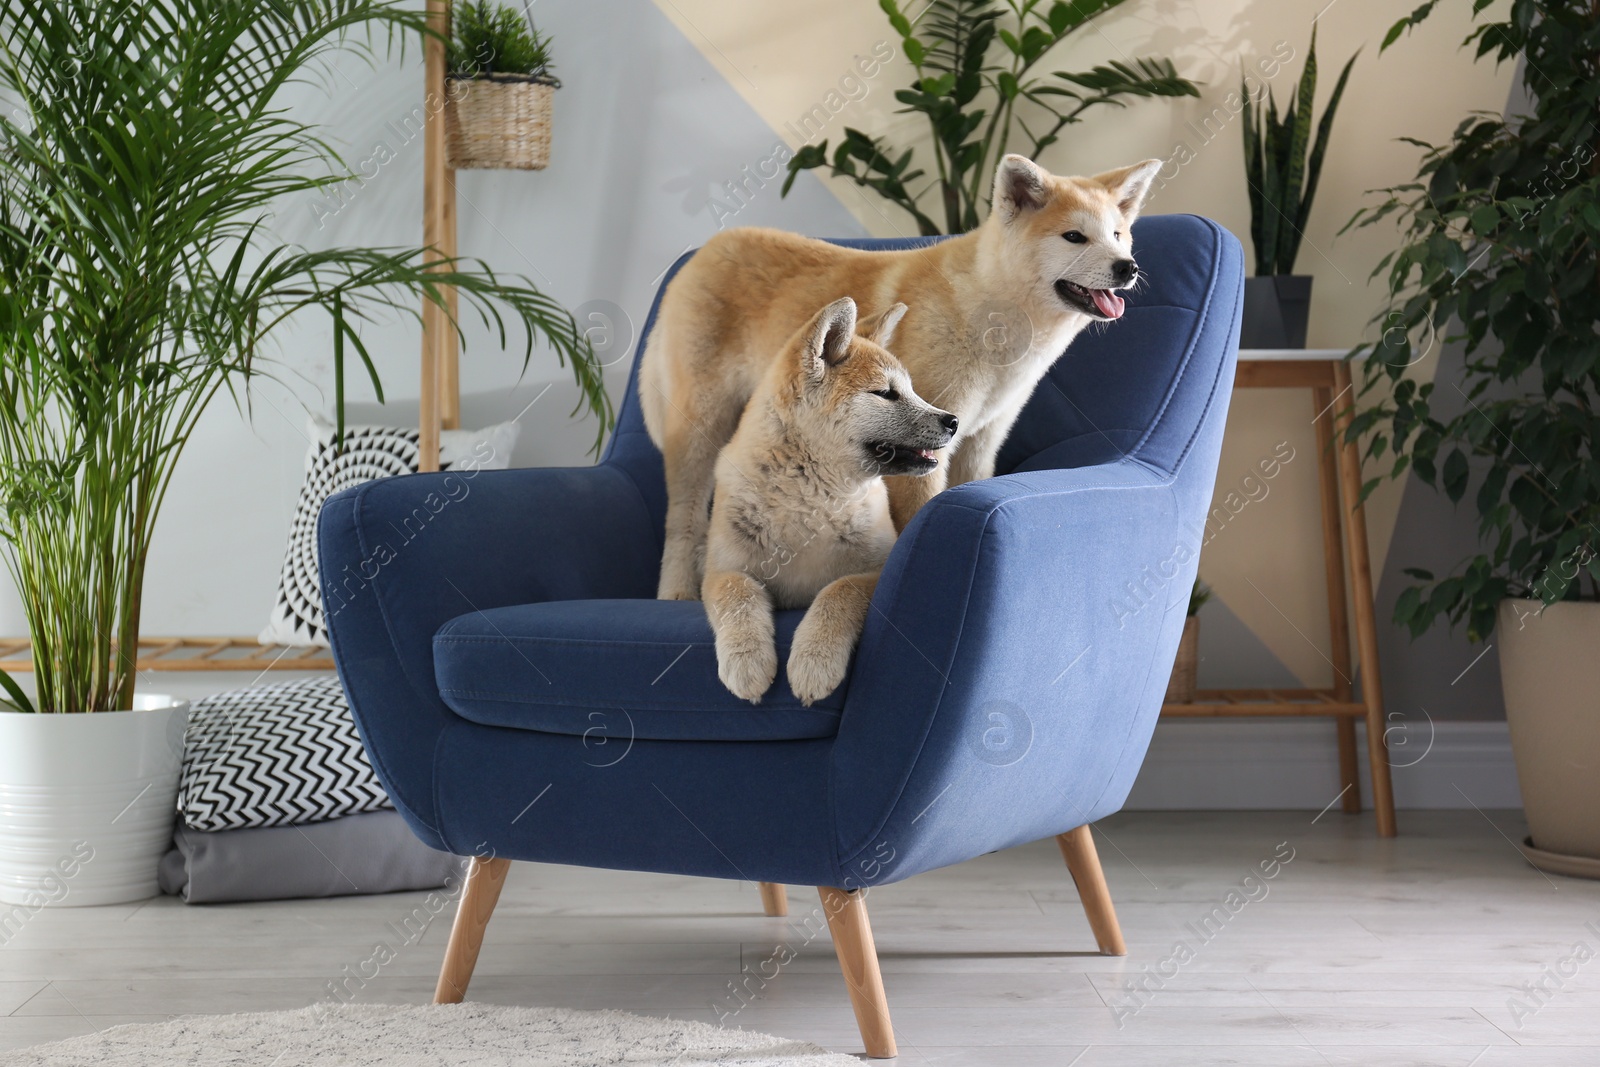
(87, 804)
(1550, 674)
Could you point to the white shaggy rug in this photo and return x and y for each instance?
(455, 1035)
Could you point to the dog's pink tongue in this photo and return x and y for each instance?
(1109, 303)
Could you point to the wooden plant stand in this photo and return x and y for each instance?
(195, 654)
(1326, 373)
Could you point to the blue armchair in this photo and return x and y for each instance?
(522, 696)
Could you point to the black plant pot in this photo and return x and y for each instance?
(1276, 307)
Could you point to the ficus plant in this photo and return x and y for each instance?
(1499, 235)
(144, 145)
(977, 83)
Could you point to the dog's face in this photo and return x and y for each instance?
(852, 399)
(1071, 238)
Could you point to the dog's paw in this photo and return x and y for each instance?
(748, 674)
(677, 589)
(678, 582)
(816, 667)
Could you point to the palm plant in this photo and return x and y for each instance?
(145, 145)
(973, 103)
(1282, 179)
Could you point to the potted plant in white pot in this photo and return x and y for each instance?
(1282, 163)
(1500, 245)
(140, 157)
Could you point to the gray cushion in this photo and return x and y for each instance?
(371, 853)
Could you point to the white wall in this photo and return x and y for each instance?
(645, 133)
(785, 56)
(667, 101)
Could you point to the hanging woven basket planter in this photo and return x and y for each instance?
(499, 121)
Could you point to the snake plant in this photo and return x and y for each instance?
(1282, 177)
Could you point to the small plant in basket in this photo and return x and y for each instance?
(497, 112)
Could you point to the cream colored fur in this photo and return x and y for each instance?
(801, 513)
(987, 320)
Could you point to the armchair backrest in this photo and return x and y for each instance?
(1118, 392)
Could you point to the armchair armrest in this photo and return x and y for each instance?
(1012, 667)
(401, 556)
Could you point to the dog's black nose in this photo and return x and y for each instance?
(1124, 271)
(949, 422)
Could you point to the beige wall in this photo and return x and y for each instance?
(786, 56)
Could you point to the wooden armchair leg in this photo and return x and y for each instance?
(1083, 862)
(485, 878)
(858, 959)
(774, 898)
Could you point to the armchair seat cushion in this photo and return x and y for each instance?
(614, 670)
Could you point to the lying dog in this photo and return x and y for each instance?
(800, 514)
(993, 309)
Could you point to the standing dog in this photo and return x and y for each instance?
(994, 309)
(801, 514)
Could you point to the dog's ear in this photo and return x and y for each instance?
(1019, 185)
(1131, 185)
(829, 335)
(879, 328)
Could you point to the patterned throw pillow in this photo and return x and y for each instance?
(275, 755)
(369, 452)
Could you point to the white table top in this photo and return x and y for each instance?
(1291, 355)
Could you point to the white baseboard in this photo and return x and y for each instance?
(1248, 764)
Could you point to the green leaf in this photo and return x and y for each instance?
(1293, 166)
(1035, 42)
(807, 158)
(1253, 173)
(1272, 217)
(1319, 147)
(338, 373)
(1141, 77)
(1407, 604)
(1492, 489)
(1407, 23)
(1064, 17)
(1456, 474)
(901, 24)
(18, 697)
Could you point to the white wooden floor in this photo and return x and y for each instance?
(1359, 951)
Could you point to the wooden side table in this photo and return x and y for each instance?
(1326, 373)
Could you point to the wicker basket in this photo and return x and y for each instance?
(499, 122)
(1180, 689)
